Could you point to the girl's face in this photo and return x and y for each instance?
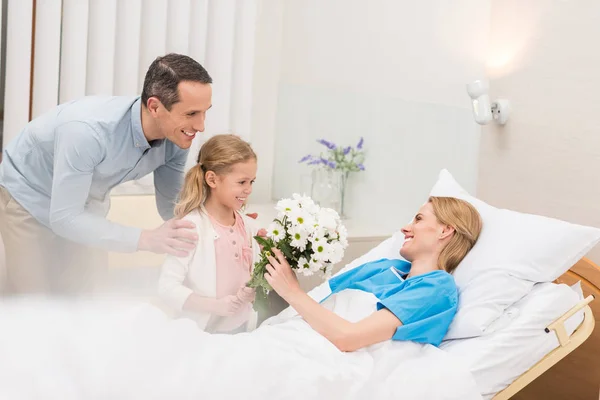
(233, 188)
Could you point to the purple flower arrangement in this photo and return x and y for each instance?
(346, 159)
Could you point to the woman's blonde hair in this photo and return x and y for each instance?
(465, 220)
(219, 154)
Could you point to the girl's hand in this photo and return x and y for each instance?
(227, 306)
(246, 294)
(280, 275)
(262, 232)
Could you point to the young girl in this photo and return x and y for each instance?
(209, 283)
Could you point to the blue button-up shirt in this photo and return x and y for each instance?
(63, 165)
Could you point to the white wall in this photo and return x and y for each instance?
(546, 159)
(391, 71)
(265, 87)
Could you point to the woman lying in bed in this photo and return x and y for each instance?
(417, 300)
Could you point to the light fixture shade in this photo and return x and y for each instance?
(478, 88)
(482, 108)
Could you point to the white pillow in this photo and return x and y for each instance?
(514, 251)
(496, 360)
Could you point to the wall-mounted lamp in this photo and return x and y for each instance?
(484, 111)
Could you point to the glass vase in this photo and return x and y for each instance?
(324, 187)
(342, 185)
(329, 189)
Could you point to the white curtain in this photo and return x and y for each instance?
(104, 47)
(18, 59)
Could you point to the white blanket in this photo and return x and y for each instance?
(106, 350)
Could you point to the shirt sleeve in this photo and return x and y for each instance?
(168, 180)
(170, 283)
(425, 306)
(173, 273)
(77, 152)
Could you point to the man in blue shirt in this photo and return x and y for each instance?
(57, 174)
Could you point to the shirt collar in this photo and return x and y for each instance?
(139, 140)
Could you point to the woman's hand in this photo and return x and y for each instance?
(280, 275)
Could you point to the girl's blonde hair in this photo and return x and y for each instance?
(465, 220)
(219, 154)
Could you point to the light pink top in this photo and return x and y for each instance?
(233, 256)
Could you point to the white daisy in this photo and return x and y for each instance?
(276, 231)
(321, 251)
(328, 219)
(318, 233)
(303, 263)
(306, 203)
(285, 206)
(304, 267)
(316, 240)
(299, 237)
(336, 252)
(299, 217)
(315, 265)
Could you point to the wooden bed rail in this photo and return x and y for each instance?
(567, 345)
(558, 326)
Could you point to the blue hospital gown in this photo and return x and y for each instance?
(426, 303)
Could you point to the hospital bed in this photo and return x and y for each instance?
(567, 370)
(578, 376)
(548, 351)
(528, 361)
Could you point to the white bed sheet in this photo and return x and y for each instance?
(108, 350)
(512, 344)
(497, 359)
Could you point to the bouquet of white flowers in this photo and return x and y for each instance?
(311, 238)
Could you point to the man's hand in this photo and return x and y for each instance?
(176, 237)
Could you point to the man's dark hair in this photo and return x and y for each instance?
(165, 73)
